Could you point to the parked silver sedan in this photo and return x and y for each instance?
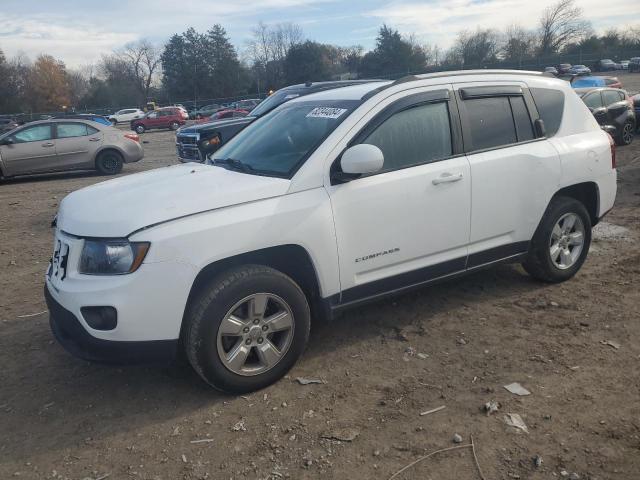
(59, 144)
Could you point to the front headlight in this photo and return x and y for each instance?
(111, 257)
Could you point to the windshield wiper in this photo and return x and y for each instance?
(234, 164)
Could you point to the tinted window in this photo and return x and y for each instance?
(490, 122)
(91, 130)
(68, 130)
(37, 133)
(414, 136)
(611, 96)
(550, 105)
(593, 100)
(522, 119)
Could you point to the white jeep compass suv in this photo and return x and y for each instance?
(331, 200)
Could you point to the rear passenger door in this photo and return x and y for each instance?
(76, 144)
(514, 174)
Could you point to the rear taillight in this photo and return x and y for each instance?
(613, 151)
(132, 136)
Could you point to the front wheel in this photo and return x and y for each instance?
(561, 242)
(246, 328)
(174, 126)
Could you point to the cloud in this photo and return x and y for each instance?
(438, 22)
(75, 44)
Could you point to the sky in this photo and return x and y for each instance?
(79, 31)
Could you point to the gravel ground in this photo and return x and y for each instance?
(575, 347)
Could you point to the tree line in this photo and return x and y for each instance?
(198, 66)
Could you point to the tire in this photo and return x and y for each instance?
(174, 126)
(109, 162)
(140, 129)
(625, 137)
(539, 263)
(211, 352)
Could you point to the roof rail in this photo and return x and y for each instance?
(425, 76)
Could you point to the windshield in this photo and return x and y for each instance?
(278, 143)
(272, 102)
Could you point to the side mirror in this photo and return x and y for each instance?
(599, 111)
(7, 141)
(539, 127)
(362, 159)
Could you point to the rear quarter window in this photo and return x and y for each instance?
(550, 105)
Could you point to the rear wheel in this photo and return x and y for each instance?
(625, 136)
(139, 128)
(246, 328)
(561, 242)
(174, 126)
(109, 163)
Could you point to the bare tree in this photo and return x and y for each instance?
(143, 59)
(518, 43)
(560, 24)
(475, 48)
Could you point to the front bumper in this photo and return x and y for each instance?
(72, 335)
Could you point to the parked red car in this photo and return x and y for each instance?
(171, 117)
(230, 113)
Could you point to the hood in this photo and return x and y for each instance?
(203, 127)
(118, 207)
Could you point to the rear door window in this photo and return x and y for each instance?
(490, 122)
(522, 119)
(70, 130)
(611, 96)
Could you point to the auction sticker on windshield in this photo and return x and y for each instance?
(326, 112)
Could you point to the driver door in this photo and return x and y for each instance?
(29, 150)
(409, 223)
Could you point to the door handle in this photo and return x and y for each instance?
(94, 139)
(447, 178)
(48, 145)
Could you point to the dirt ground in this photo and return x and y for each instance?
(456, 344)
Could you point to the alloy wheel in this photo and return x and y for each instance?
(567, 241)
(255, 334)
(627, 133)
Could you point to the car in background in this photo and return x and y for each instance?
(169, 117)
(563, 68)
(229, 113)
(636, 107)
(551, 70)
(634, 64)
(612, 82)
(606, 65)
(67, 144)
(248, 104)
(195, 142)
(205, 111)
(624, 64)
(587, 82)
(613, 110)
(83, 116)
(7, 124)
(126, 115)
(579, 70)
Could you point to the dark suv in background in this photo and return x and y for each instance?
(196, 142)
(614, 111)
